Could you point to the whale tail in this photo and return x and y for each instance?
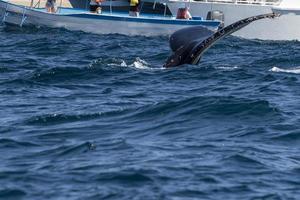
(189, 44)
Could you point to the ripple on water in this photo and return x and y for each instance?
(10, 143)
(12, 193)
(211, 106)
(291, 137)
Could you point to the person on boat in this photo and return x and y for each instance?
(183, 13)
(134, 8)
(51, 6)
(95, 6)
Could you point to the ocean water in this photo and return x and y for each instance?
(87, 116)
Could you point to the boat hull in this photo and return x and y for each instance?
(286, 27)
(94, 23)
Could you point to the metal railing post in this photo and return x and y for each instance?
(110, 6)
(24, 17)
(5, 13)
(31, 3)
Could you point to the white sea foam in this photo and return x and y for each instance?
(121, 63)
(294, 70)
(139, 64)
(227, 68)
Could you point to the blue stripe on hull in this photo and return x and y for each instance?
(146, 20)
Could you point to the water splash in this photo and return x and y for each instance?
(295, 70)
(138, 63)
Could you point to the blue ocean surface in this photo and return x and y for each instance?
(86, 116)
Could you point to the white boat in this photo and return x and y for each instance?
(286, 27)
(105, 23)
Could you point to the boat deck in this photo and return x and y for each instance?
(67, 11)
(72, 11)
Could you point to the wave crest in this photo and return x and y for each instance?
(295, 70)
(65, 118)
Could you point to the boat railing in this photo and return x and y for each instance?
(257, 2)
(21, 10)
(37, 5)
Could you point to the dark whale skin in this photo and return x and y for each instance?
(188, 44)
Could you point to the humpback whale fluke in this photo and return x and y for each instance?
(188, 44)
